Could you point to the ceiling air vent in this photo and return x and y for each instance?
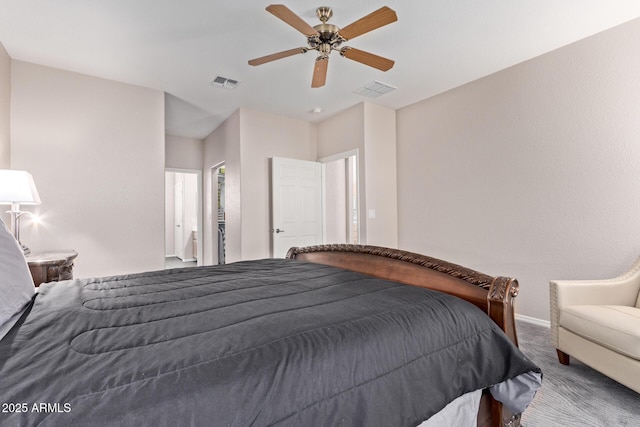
(224, 82)
(374, 89)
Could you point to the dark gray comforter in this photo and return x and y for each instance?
(269, 342)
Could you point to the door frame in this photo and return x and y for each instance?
(328, 159)
(198, 174)
(213, 187)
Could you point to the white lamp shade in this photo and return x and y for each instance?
(17, 187)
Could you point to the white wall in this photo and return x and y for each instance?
(531, 172)
(5, 103)
(96, 151)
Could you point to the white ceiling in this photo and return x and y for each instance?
(179, 46)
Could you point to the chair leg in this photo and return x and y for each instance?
(563, 357)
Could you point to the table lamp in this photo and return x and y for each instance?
(17, 188)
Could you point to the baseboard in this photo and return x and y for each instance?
(533, 320)
(183, 260)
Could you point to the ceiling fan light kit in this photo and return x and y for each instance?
(325, 37)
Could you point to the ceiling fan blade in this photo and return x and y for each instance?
(320, 71)
(283, 12)
(367, 58)
(377, 19)
(279, 55)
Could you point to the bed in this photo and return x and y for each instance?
(492, 295)
(331, 336)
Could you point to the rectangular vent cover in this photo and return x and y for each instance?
(224, 82)
(374, 89)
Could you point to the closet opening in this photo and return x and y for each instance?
(219, 221)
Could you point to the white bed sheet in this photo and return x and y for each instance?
(462, 412)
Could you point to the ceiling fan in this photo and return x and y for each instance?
(326, 37)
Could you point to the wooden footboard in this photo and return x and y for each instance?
(493, 295)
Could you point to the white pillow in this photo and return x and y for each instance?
(16, 283)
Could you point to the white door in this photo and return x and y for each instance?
(179, 219)
(296, 203)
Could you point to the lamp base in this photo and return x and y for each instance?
(15, 225)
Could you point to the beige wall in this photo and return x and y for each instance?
(96, 151)
(223, 145)
(380, 167)
(169, 214)
(245, 142)
(264, 136)
(183, 153)
(531, 172)
(5, 102)
(371, 129)
(335, 202)
(341, 133)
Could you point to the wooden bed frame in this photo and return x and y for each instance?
(493, 295)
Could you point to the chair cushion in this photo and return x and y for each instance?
(616, 327)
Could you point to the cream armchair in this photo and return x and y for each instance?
(598, 323)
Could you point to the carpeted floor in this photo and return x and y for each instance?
(574, 395)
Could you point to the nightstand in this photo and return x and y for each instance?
(52, 266)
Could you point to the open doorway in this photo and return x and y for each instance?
(183, 218)
(341, 198)
(314, 202)
(219, 220)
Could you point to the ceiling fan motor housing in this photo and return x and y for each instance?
(326, 40)
(328, 37)
(324, 13)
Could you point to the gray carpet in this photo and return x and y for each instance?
(574, 395)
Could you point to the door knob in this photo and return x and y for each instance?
(277, 230)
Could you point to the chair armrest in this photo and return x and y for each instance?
(595, 292)
(621, 290)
